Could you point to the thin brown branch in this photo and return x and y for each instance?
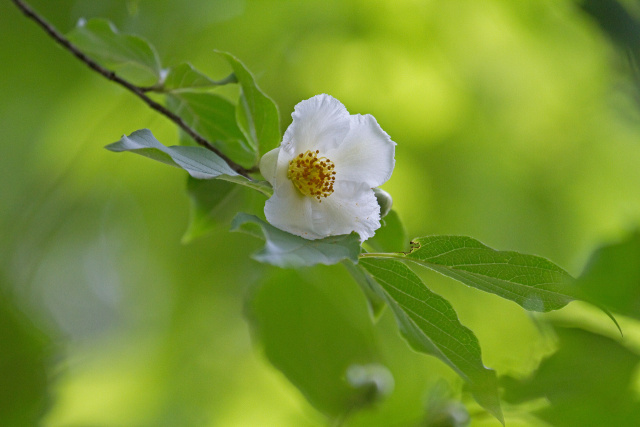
(138, 91)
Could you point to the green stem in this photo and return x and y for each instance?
(382, 255)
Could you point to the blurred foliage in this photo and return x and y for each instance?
(23, 390)
(515, 124)
(612, 276)
(588, 381)
(314, 345)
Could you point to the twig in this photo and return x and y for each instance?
(140, 92)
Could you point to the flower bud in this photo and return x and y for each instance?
(384, 200)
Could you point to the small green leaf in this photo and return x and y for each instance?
(130, 56)
(531, 281)
(285, 250)
(213, 117)
(612, 277)
(391, 236)
(199, 162)
(430, 325)
(256, 113)
(215, 202)
(185, 77)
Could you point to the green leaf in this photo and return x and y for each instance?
(531, 281)
(285, 250)
(213, 117)
(256, 113)
(199, 162)
(130, 56)
(185, 77)
(589, 381)
(430, 325)
(375, 301)
(391, 236)
(314, 329)
(612, 277)
(215, 202)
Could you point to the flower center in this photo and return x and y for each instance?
(312, 175)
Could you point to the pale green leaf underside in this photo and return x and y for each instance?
(256, 113)
(430, 325)
(199, 162)
(286, 250)
(531, 281)
(129, 55)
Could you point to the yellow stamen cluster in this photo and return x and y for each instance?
(314, 176)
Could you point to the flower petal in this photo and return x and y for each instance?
(290, 211)
(281, 170)
(319, 123)
(367, 154)
(352, 207)
(268, 164)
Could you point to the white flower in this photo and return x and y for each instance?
(324, 172)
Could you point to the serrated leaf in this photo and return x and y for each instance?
(213, 117)
(286, 250)
(430, 325)
(215, 202)
(185, 77)
(256, 113)
(533, 282)
(199, 162)
(130, 56)
(612, 277)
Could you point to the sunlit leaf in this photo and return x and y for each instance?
(314, 329)
(533, 282)
(130, 56)
(185, 77)
(612, 277)
(199, 162)
(257, 115)
(430, 325)
(213, 117)
(283, 249)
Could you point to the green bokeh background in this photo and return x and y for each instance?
(516, 124)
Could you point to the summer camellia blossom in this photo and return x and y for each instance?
(324, 172)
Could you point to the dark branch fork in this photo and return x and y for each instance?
(139, 91)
